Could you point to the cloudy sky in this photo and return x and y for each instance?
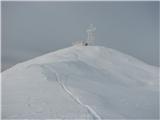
(30, 29)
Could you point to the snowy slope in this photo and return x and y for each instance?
(81, 83)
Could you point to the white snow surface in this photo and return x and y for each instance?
(81, 82)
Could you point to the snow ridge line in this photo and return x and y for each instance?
(76, 99)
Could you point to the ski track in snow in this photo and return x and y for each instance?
(76, 99)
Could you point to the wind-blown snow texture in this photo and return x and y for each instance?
(81, 83)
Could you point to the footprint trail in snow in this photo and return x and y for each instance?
(75, 98)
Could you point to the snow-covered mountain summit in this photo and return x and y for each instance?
(81, 82)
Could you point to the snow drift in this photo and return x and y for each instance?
(81, 83)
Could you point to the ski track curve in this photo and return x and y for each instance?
(75, 98)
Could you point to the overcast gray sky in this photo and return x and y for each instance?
(30, 29)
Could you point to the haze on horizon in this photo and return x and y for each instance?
(31, 29)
